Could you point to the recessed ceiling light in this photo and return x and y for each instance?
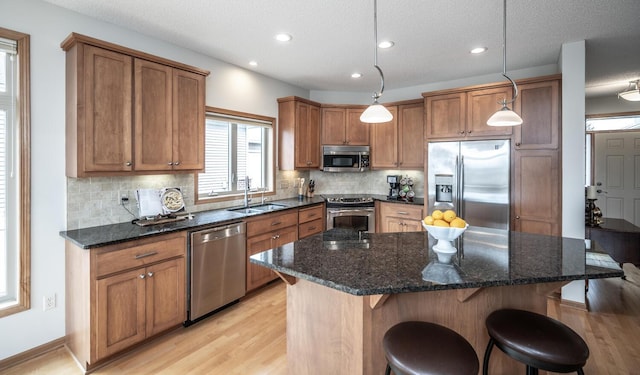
(253, 63)
(356, 75)
(283, 37)
(478, 50)
(386, 44)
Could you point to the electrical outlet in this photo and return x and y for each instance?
(49, 302)
(123, 197)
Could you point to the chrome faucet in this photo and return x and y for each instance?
(246, 192)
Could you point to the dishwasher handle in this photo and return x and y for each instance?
(218, 233)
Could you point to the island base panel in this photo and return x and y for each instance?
(331, 332)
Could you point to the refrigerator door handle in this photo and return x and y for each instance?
(461, 184)
(456, 181)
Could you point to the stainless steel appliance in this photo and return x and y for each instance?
(394, 186)
(471, 177)
(351, 212)
(217, 274)
(345, 158)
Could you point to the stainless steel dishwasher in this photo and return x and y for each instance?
(217, 268)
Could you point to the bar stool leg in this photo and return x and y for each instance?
(487, 354)
(388, 370)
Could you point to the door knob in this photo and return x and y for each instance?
(600, 191)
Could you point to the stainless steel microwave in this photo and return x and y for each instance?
(345, 158)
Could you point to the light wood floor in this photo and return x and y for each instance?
(249, 338)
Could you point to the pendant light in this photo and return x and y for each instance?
(632, 93)
(376, 113)
(505, 116)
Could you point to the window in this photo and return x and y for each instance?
(14, 172)
(237, 145)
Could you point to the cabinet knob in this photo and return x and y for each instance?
(469, 132)
(170, 163)
(176, 163)
(150, 274)
(462, 132)
(518, 217)
(141, 276)
(518, 144)
(128, 163)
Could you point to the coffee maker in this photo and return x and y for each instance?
(394, 183)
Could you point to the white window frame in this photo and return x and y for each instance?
(19, 234)
(268, 169)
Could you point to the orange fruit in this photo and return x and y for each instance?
(449, 215)
(437, 214)
(458, 223)
(440, 223)
(428, 220)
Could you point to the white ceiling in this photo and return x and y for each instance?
(333, 38)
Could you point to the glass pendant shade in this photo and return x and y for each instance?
(376, 113)
(504, 117)
(632, 94)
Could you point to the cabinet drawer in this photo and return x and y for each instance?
(271, 222)
(110, 260)
(309, 228)
(401, 210)
(309, 214)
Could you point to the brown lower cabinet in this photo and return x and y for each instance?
(265, 232)
(119, 295)
(399, 217)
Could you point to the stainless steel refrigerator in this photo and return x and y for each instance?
(471, 177)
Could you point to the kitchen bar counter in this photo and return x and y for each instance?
(620, 239)
(104, 235)
(345, 290)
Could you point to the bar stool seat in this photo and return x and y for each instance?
(536, 340)
(413, 348)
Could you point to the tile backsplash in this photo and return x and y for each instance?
(95, 201)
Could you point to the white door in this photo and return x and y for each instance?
(617, 175)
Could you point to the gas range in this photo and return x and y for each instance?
(348, 200)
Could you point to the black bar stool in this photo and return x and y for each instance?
(414, 348)
(535, 340)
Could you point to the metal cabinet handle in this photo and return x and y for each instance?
(517, 217)
(462, 132)
(141, 276)
(311, 228)
(150, 274)
(176, 163)
(469, 132)
(600, 191)
(140, 256)
(276, 223)
(128, 163)
(403, 213)
(170, 163)
(518, 144)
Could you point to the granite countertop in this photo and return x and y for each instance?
(616, 225)
(384, 263)
(104, 235)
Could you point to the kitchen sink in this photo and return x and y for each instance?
(257, 209)
(268, 207)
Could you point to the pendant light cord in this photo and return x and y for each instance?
(504, 55)
(376, 95)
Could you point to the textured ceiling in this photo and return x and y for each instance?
(333, 38)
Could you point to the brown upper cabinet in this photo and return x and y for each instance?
(538, 104)
(342, 126)
(464, 114)
(298, 133)
(399, 144)
(128, 111)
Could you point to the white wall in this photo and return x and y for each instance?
(227, 87)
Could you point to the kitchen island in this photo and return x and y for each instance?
(345, 289)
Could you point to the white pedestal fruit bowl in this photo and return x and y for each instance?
(444, 235)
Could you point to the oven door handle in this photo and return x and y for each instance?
(350, 211)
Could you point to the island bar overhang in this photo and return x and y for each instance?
(344, 292)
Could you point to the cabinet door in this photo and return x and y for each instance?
(334, 124)
(384, 142)
(538, 105)
(120, 312)
(482, 104)
(107, 112)
(357, 131)
(258, 275)
(445, 115)
(412, 225)
(391, 224)
(165, 295)
(302, 135)
(537, 190)
(188, 120)
(411, 136)
(312, 144)
(153, 116)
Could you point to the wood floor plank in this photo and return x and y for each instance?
(249, 337)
